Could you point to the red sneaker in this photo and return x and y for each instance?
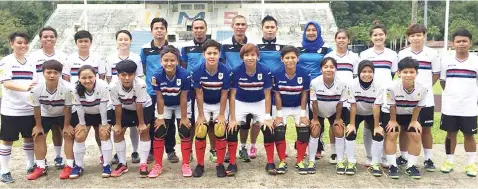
(65, 173)
(37, 173)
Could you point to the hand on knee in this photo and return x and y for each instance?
(338, 131)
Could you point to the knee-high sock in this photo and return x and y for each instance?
(144, 148)
(269, 151)
(313, 143)
(29, 154)
(281, 148)
(107, 150)
(79, 150)
(232, 148)
(200, 146)
(377, 150)
(350, 150)
(158, 151)
(367, 142)
(5, 152)
(340, 148)
(134, 136)
(120, 148)
(301, 148)
(221, 145)
(186, 146)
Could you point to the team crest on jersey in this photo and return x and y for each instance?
(299, 80)
(220, 76)
(259, 77)
(178, 82)
(153, 81)
(418, 95)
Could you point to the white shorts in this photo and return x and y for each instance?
(257, 109)
(288, 111)
(169, 111)
(211, 111)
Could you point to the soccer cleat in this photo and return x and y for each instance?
(115, 160)
(368, 162)
(351, 168)
(38, 172)
(401, 161)
(429, 165)
(340, 168)
(59, 162)
(471, 170)
(172, 158)
(187, 172)
(120, 169)
(7, 178)
(226, 157)
(143, 170)
(413, 172)
(253, 152)
(244, 155)
(301, 168)
(212, 156)
(231, 170)
(106, 171)
(220, 171)
(65, 173)
(155, 171)
(447, 167)
(282, 167)
(198, 171)
(376, 170)
(135, 157)
(311, 167)
(76, 172)
(393, 172)
(271, 168)
(333, 159)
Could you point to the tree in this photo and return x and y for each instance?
(433, 31)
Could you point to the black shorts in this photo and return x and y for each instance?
(467, 125)
(345, 118)
(49, 122)
(426, 116)
(129, 118)
(90, 119)
(14, 125)
(367, 118)
(403, 120)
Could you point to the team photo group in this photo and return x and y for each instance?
(227, 91)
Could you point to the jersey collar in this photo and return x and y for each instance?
(234, 42)
(158, 48)
(273, 41)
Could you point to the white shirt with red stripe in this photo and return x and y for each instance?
(365, 98)
(52, 102)
(345, 65)
(128, 98)
(114, 59)
(74, 63)
(404, 100)
(328, 97)
(39, 57)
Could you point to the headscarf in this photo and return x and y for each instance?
(317, 43)
(361, 66)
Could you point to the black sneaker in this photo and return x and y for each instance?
(244, 155)
(401, 161)
(231, 170)
(115, 159)
(198, 171)
(393, 172)
(413, 172)
(135, 157)
(282, 168)
(172, 158)
(7, 178)
(376, 170)
(220, 170)
(429, 165)
(271, 168)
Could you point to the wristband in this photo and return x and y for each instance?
(279, 113)
(159, 116)
(303, 113)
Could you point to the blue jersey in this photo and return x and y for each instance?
(290, 89)
(152, 63)
(311, 60)
(212, 84)
(171, 88)
(191, 53)
(269, 54)
(230, 52)
(251, 88)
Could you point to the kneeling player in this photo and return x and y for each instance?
(406, 98)
(211, 82)
(289, 108)
(172, 84)
(132, 107)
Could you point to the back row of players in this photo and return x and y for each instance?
(32, 108)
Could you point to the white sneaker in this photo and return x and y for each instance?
(368, 162)
(385, 163)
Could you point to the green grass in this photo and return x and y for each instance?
(437, 88)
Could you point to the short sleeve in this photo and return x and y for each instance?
(390, 97)
(379, 97)
(68, 96)
(443, 66)
(67, 67)
(306, 85)
(313, 95)
(436, 67)
(394, 62)
(234, 80)
(267, 79)
(423, 97)
(186, 82)
(196, 78)
(114, 96)
(109, 68)
(141, 93)
(35, 96)
(226, 81)
(351, 98)
(101, 65)
(139, 66)
(5, 71)
(345, 93)
(105, 94)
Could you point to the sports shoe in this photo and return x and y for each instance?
(7, 178)
(351, 168)
(76, 172)
(38, 172)
(226, 157)
(231, 169)
(58, 162)
(65, 173)
(393, 172)
(282, 168)
(31, 169)
(301, 168)
(340, 168)
(311, 167)
(333, 159)
(368, 162)
(220, 171)
(401, 161)
(253, 153)
(471, 170)
(101, 160)
(413, 172)
(447, 167)
(115, 160)
(212, 156)
(384, 163)
(318, 155)
(187, 172)
(135, 157)
(143, 170)
(172, 158)
(243, 154)
(106, 171)
(271, 168)
(429, 165)
(198, 171)
(156, 170)
(120, 169)
(376, 170)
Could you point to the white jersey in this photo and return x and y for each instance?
(459, 98)
(385, 64)
(52, 102)
(328, 96)
(15, 103)
(429, 64)
(404, 100)
(365, 98)
(129, 98)
(74, 63)
(114, 59)
(91, 101)
(39, 57)
(346, 65)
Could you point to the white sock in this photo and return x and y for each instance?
(470, 158)
(57, 151)
(253, 145)
(339, 148)
(412, 160)
(404, 154)
(134, 136)
(450, 158)
(79, 150)
(313, 143)
(144, 147)
(333, 149)
(428, 153)
(41, 163)
(367, 141)
(120, 148)
(29, 154)
(243, 145)
(377, 149)
(350, 151)
(70, 162)
(5, 152)
(107, 149)
(392, 160)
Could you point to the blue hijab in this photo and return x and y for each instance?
(317, 43)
